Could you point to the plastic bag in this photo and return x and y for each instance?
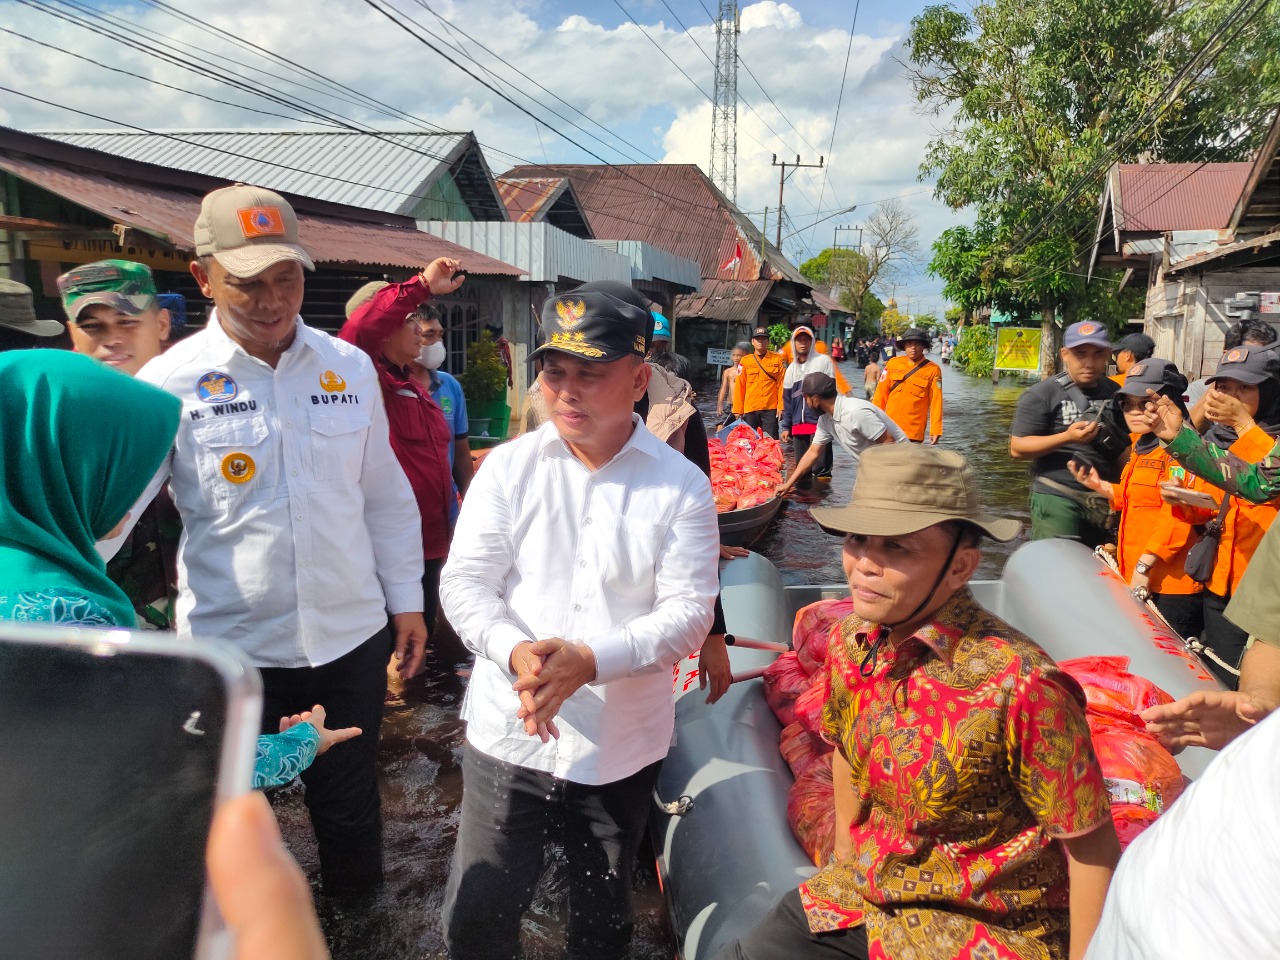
(809, 705)
(811, 810)
(784, 680)
(799, 748)
(811, 633)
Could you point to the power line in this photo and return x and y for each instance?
(831, 144)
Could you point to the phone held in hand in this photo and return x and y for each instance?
(116, 748)
(1193, 498)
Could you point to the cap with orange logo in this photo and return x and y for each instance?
(247, 229)
(1247, 364)
(1086, 333)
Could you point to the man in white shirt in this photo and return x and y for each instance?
(583, 565)
(857, 424)
(300, 530)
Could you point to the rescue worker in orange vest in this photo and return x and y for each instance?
(757, 393)
(1152, 544)
(910, 388)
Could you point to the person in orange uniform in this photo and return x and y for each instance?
(1152, 544)
(757, 393)
(1243, 405)
(910, 388)
(1134, 348)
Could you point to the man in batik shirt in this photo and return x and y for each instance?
(971, 816)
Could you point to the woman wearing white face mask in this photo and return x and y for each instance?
(446, 391)
(380, 322)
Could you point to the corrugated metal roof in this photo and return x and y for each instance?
(653, 263)
(544, 252)
(171, 215)
(529, 200)
(730, 300)
(673, 206)
(824, 303)
(1258, 209)
(391, 171)
(1160, 197)
(1252, 246)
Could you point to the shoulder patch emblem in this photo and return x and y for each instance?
(216, 387)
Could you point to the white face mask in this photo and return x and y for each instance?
(432, 355)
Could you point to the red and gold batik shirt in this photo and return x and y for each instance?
(971, 758)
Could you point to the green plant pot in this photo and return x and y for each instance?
(495, 411)
(478, 427)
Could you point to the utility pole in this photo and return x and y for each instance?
(835, 243)
(724, 108)
(857, 306)
(782, 180)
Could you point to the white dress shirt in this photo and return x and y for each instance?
(623, 559)
(300, 531)
(857, 424)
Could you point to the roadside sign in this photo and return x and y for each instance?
(1017, 348)
(1269, 303)
(719, 357)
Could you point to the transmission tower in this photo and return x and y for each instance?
(724, 112)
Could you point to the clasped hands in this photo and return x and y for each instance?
(548, 672)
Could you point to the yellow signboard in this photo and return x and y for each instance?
(1018, 348)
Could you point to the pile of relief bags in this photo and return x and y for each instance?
(745, 469)
(1142, 776)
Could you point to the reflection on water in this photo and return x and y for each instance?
(420, 755)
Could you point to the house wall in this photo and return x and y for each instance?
(1185, 314)
(444, 201)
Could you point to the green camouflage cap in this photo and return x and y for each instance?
(121, 284)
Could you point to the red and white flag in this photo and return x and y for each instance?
(732, 262)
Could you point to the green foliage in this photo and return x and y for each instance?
(485, 377)
(954, 315)
(893, 323)
(1042, 98)
(975, 354)
(779, 336)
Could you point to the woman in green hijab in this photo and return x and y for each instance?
(79, 442)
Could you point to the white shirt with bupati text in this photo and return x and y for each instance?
(300, 531)
(623, 559)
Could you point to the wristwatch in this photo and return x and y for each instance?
(1142, 568)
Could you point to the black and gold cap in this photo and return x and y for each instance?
(594, 326)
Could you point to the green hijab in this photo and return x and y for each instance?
(79, 442)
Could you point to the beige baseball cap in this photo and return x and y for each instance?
(247, 229)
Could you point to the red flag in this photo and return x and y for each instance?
(732, 262)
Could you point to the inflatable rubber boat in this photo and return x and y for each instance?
(724, 850)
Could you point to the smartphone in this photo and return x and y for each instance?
(115, 749)
(1194, 498)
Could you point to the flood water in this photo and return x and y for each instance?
(420, 755)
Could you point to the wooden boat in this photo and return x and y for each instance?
(741, 528)
(728, 854)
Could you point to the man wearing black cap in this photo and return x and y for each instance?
(857, 424)
(583, 565)
(757, 393)
(1133, 348)
(1066, 417)
(910, 388)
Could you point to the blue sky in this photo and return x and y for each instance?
(586, 51)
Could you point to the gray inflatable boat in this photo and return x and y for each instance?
(726, 854)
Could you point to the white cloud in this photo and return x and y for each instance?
(615, 74)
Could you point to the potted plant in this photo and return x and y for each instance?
(484, 384)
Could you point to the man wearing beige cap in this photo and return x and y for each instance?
(967, 793)
(300, 530)
(19, 326)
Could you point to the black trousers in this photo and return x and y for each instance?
(430, 591)
(766, 420)
(783, 934)
(1228, 640)
(342, 786)
(801, 442)
(509, 817)
(1184, 611)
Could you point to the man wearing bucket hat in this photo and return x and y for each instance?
(583, 565)
(18, 323)
(910, 388)
(300, 530)
(1064, 418)
(971, 814)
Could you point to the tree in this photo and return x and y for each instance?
(891, 247)
(1044, 96)
(893, 323)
